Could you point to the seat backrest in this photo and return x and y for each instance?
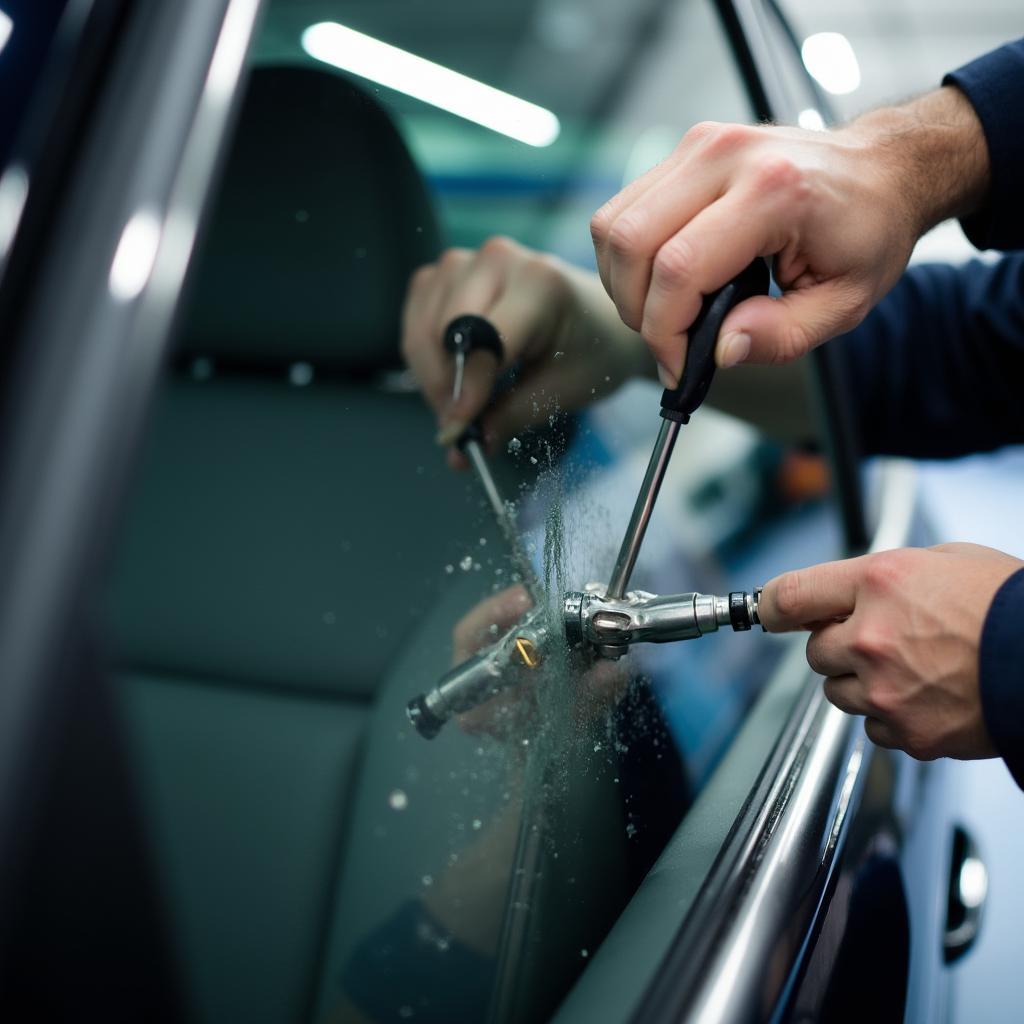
(291, 522)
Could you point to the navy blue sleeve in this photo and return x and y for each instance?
(1001, 674)
(994, 84)
(936, 370)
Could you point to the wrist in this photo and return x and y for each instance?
(933, 153)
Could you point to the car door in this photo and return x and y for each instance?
(292, 556)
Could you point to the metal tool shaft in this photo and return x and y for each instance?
(502, 513)
(642, 510)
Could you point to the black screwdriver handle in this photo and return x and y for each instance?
(470, 333)
(699, 368)
(465, 334)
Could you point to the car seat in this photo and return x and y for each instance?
(288, 530)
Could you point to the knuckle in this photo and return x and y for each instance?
(725, 139)
(673, 265)
(624, 236)
(887, 570)
(871, 641)
(779, 173)
(498, 246)
(600, 225)
(452, 259)
(699, 132)
(795, 339)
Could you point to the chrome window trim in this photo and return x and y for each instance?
(154, 145)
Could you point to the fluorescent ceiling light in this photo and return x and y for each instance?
(6, 28)
(440, 86)
(829, 57)
(811, 119)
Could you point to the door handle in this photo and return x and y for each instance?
(968, 890)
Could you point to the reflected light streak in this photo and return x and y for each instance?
(135, 256)
(424, 80)
(829, 57)
(6, 28)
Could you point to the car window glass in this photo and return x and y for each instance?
(297, 556)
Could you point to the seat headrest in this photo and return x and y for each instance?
(320, 219)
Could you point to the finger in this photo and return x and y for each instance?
(421, 333)
(602, 221)
(524, 316)
(474, 631)
(846, 693)
(417, 350)
(804, 597)
(778, 330)
(881, 734)
(718, 243)
(667, 191)
(829, 650)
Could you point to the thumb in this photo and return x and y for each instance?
(779, 330)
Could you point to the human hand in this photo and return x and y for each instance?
(840, 211)
(554, 319)
(897, 635)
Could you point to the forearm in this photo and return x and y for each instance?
(933, 152)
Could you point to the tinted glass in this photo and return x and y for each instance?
(298, 556)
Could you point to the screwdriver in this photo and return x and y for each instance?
(678, 404)
(464, 335)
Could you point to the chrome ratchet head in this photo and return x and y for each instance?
(609, 626)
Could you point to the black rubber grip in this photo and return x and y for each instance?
(699, 369)
(739, 613)
(427, 724)
(473, 334)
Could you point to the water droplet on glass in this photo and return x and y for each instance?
(477, 824)
(330, 618)
(483, 542)
(476, 567)
(449, 569)
(405, 1012)
(302, 216)
(466, 563)
(597, 747)
(361, 253)
(300, 374)
(584, 953)
(558, 355)
(631, 830)
(493, 629)
(533, 460)
(515, 444)
(428, 880)
(397, 800)
(526, 743)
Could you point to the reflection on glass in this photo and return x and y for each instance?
(300, 561)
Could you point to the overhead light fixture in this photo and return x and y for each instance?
(432, 83)
(811, 119)
(829, 57)
(6, 28)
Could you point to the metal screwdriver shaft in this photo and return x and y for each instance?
(464, 335)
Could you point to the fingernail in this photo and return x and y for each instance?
(451, 432)
(667, 378)
(734, 349)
